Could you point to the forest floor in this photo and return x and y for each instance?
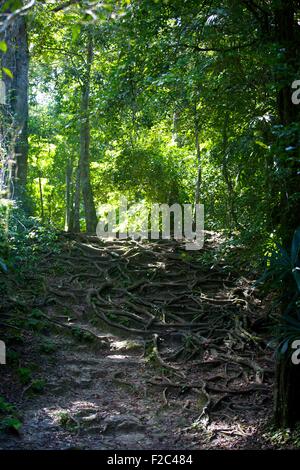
(126, 345)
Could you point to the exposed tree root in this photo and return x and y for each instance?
(196, 316)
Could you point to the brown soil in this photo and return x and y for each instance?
(151, 348)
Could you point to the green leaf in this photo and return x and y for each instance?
(11, 5)
(24, 375)
(3, 46)
(296, 274)
(295, 246)
(4, 405)
(284, 347)
(76, 28)
(3, 266)
(7, 72)
(261, 144)
(12, 423)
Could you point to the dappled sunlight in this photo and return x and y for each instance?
(118, 357)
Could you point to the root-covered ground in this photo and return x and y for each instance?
(136, 346)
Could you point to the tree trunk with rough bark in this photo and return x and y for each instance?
(75, 217)
(69, 171)
(198, 158)
(84, 162)
(15, 112)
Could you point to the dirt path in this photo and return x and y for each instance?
(97, 401)
(103, 400)
(157, 361)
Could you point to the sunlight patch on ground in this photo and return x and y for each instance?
(56, 413)
(159, 264)
(119, 357)
(125, 345)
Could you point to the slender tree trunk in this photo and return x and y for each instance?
(49, 205)
(175, 136)
(16, 59)
(41, 198)
(75, 226)
(198, 157)
(69, 171)
(84, 162)
(226, 175)
(71, 220)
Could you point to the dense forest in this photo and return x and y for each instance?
(139, 343)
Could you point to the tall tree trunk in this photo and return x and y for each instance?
(69, 171)
(227, 177)
(41, 199)
(287, 404)
(16, 59)
(198, 157)
(49, 205)
(84, 162)
(176, 139)
(75, 220)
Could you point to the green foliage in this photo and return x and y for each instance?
(81, 334)
(38, 386)
(35, 320)
(10, 424)
(67, 421)
(24, 240)
(9, 421)
(26, 378)
(7, 72)
(282, 437)
(4, 243)
(25, 375)
(283, 271)
(3, 266)
(47, 347)
(5, 406)
(3, 46)
(282, 265)
(12, 357)
(155, 80)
